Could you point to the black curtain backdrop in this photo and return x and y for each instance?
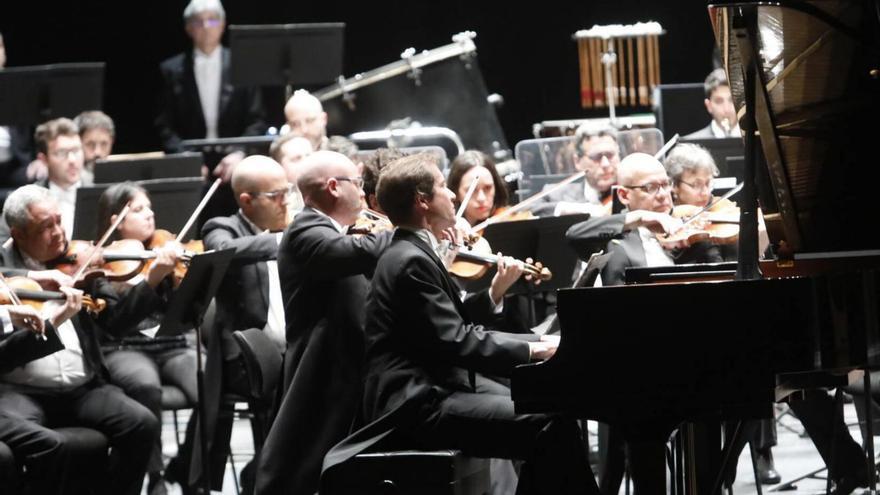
(526, 54)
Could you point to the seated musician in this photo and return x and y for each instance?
(249, 295)
(324, 282)
(97, 132)
(422, 351)
(289, 150)
(59, 147)
(719, 104)
(70, 386)
(306, 118)
(491, 192)
(597, 153)
(141, 362)
(630, 237)
(49, 457)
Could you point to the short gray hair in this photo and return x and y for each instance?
(687, 157)
(195, 7)
(15, 209)
(94, 119)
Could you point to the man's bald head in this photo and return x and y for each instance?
(306, 117)
(636, 165)
(252, 171)
(319, 167)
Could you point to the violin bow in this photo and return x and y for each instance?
(17, 302)
(666, 147)
(198, 210)
(102, 241)
(527, 202)
(699, 212)
(467, 196)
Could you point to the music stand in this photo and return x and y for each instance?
(286, 54)
(170, 197)
(34, 94)
(163, 167)
(186, 310)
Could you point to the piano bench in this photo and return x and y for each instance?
(410, 472)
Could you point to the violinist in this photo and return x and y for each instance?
(323, 273)
(71, 385)
(141, 362)
(289, 150)
(373, 166)
(597, 153)
(490, 193)
(249, 295)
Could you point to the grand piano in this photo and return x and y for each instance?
(678, 346)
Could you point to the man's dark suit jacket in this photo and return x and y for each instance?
(624, 247)
(324, 284)
(181, 117)
(422, 344)
(118, 319)
(242, 302)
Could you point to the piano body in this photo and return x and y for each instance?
(805, 77)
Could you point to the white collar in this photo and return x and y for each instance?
(718, 131)
(336, 224)
(64, 191)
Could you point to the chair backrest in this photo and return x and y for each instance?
(262, 361)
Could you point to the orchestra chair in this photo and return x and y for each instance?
(263, 365)
(439, 472)
(173, 399)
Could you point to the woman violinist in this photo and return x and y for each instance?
(490, 193)
(140, 362)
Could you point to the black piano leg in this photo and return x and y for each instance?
(869, 441)
(730, 449)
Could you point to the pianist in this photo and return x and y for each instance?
(423, 350)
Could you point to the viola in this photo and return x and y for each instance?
(473, 261)
(29, 292)
(190, 248)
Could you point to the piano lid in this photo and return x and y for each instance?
(817, 64)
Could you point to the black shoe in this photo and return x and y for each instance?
(766, 470)
(849, 482)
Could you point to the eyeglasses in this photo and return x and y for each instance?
(205, 23)
(358, 182)
(274, 195)
(598, 155)
(62, 153)
(699, 186)
(653, 187)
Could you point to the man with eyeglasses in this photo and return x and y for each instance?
(198, 102)
(597, 154)
(324, 283)
(249, 295)
(60, 148)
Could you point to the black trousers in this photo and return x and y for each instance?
(128, 426)
(485, 425)
(8, 469)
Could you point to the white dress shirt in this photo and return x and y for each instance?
(67, 202)
(61, 370)
(5, 144)
(208, 71)
(275, 322)
(655, 255)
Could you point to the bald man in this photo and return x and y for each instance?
(306, 118)
(250, 294)
(324, 283)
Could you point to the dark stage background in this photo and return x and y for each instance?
(526, 54)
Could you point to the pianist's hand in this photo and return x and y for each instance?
(540, 351)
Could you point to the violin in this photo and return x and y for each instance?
(190, 248)
(370, 222)
(29, 292)
(474, 260)
(717, 224)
